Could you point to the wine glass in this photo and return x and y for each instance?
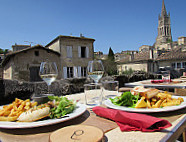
(48, 72)
(95, 70)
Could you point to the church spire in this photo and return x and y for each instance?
(164, 28)
(163, 11)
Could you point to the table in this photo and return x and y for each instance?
(147, 83)
(112, 131)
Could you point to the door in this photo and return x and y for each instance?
(34, 74)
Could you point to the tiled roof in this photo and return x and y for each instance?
(68, 37)
(9, 55)
(173, 54)
(140, 56)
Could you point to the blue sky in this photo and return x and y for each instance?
(119, 24)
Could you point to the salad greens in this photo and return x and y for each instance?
(126, 99)
(62, 106)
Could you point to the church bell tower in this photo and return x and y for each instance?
(164, 27)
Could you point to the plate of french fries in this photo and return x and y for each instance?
(24, 114)
(146, 100)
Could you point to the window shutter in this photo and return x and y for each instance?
(69, 51)
(64, 72)
(87, 52)
(79, 51)
(79, 71)
(75, 72)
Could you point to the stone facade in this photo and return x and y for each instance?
(24, 64)
(163, 53)
(75, 52)
(164, 28)
(144, 48)
(176, 58)
(181, 40)
(17, 47)
(141, 61)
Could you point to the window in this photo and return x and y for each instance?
(178, 65)
(83, 52)
(69, 51)
(69, 72)
(36, 53)
(184, 64)
(173, 65)
(83, 71)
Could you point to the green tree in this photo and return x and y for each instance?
(3, 51)
(109, 64)
(111, 54)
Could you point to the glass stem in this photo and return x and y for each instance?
(48, 89)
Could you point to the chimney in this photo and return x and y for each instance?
(81, 35)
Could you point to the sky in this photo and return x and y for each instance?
(119, 24)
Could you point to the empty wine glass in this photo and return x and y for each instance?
(95, 70)
(48, 72)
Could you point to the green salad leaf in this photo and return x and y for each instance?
(126, 99)
(64, 106)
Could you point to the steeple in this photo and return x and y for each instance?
(163, 10)
(164, 27)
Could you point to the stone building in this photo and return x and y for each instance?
(176, 58)
(17, 47)
(164, 28)
(141, 61)
(144, 48)
(163, 53)
(75, 52)
(24, 64)
(182, 40)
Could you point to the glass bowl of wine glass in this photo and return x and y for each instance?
(48, 72)
(95, 70)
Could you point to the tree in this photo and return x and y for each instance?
(109, 64)
(111, 55)
(3, 51)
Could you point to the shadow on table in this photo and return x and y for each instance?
(171, 116)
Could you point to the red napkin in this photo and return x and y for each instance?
(157, 81)
(132, 121)
(160, 81)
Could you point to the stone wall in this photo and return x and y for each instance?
(11, 89)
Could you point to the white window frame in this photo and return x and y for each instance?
(69, 72)
(75, 73)
(64, 72)
(84, 71)
(69, 51)
(79, 71)
(86, 51)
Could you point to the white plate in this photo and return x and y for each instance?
(109, 104)
(80, 109)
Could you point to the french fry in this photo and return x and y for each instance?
(3, 118)
(148, 104)
(12, 111)
(157, 104)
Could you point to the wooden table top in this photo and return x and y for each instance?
(110, 128)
